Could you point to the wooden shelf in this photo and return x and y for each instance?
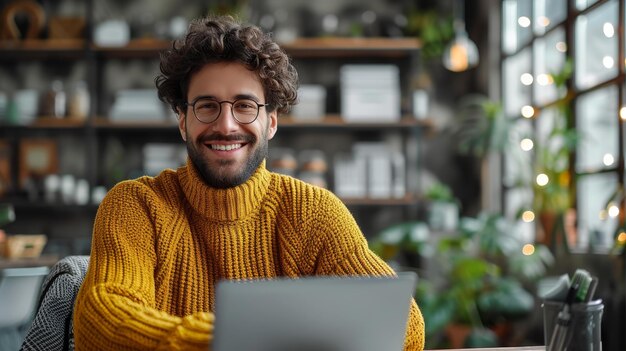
(43, 49)
(48, 123)
(337, 122)
(104, 123)
(150, 48)
(287, 122)
(43, 45)
(351, 47)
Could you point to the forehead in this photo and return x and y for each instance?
(225, 80)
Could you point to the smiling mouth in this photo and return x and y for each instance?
(225, 147)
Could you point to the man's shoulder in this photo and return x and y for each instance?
(293, 188)
(164, 182)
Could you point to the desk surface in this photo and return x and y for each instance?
(46, 260)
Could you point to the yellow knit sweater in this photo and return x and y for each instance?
(160, 244)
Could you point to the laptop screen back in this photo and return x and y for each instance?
(314, 313)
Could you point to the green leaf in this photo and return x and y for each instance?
(481, 337)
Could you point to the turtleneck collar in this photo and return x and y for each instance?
(224, 204)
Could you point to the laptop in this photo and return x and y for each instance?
(313, 313)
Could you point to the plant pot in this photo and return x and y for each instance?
(456, 334)
(557, 230)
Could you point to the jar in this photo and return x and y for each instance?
(54, 101)
(78, 104)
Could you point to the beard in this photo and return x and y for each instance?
(217, 175)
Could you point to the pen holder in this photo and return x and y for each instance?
(583, 330)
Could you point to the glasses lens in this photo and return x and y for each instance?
(245, 110)
(207, 110)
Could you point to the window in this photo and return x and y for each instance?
(543, 41)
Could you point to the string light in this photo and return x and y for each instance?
(542, 179)
(526, 144)
(528, 216)
(528, 249)
(528, 111)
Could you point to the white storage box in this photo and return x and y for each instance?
(311, 104)
(370, 93)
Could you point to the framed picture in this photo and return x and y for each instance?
(38, 158)
(5, 167)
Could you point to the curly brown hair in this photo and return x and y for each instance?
(223, 39)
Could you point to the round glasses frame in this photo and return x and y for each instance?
(233, 109)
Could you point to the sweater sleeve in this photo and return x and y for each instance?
(342, 250)
(115, 307)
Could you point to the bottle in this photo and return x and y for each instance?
(78, 103)
(54, 101)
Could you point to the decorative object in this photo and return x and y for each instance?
(54, 102)
(461, 54)
(32, 10)
(79, 101)
(112, 33)
(24, 246)
(38, 158)
(443, 208)
(66, 27)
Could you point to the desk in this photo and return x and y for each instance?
(42, 261)
(518, 348)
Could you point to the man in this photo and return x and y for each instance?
(161, 243)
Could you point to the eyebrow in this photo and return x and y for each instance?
(237, 97)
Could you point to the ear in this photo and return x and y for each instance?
(182, 125)
(273, 124)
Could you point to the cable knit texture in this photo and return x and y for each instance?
(161, 243)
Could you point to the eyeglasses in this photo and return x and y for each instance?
(208, 110)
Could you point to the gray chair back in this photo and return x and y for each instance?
(52, 328)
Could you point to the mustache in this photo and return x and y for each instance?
(231, 137)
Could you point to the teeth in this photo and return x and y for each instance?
(226, 147)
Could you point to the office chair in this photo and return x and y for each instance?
(19, 288)
(52, 327)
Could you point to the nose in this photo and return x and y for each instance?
(225, 122)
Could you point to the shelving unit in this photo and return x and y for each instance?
(98, 128)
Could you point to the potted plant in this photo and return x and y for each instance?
(443, 208)
(403, 245)
(479, 285)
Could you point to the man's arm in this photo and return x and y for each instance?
(115, 307)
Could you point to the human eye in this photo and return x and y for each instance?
(245, 106)
(207, 105)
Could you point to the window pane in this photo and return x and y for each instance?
(597, 123)
(550, 126)
(583, 4)
(549, 13)
(516, 24)
(516, 199)
(517, 90)
(518, 158)
(596, 45)
(595, 226)
(549, 60)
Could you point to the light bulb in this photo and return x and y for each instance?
(461, 54)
